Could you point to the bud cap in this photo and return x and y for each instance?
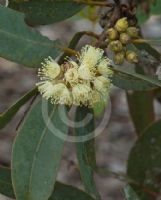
(131, 57)
(115, 46)
(112, 34)
(119, 58)
(124, 38)
(133, 32)
(122, 25)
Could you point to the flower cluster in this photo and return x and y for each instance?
(85, 81)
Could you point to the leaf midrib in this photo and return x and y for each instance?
(37, 149)
(19, 37)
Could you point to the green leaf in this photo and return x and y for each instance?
(144, 163)
(130, 193)
(46, 12)
(61, 191)
(37, 153)
(86, 149)
(7, 116)
(22, 44)
(141, 106)
(99, 108)
(67, 192)
(149, 49)
(5, 182)
(141, 109)
(150, 80)
(128, 82)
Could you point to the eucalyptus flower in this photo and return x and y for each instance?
(83, 81)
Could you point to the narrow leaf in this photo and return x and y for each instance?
(37, 153)
(22, 44)
(141, 109)
(150, 80)
(61, 191)
(67, 192)
(144, 163)
(5, 182)
(127, 82)
(149, 49)
(7, 116)
(141, 106)
(86, 149)
(46, 12)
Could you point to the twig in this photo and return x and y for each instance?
(69, 51)
(95, 3)
(92, 34)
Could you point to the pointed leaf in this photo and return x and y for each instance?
(141, 77)
(141, 109)
(22, 44)
(149, 49)
(128, 82)
(61, 191)
(37, 153)
(5, 182)
(67, 192)
(7, 116)
(86, 149)
(144, 163)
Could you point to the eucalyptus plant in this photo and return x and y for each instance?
(83, 79)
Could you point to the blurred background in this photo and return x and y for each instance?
(115, 142)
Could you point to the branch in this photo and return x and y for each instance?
(95, 3)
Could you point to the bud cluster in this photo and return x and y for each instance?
(84, 82)
(119, 37)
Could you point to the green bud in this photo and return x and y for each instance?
(122, 25)
(133, 32)
(115, 46)
(119, 58)
(124, 38)
(112, 34)
(131, 57)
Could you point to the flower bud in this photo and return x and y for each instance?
(119, 58)
(124, 38)
(112, 34)
(115, 46)
(131, 57)
(122, 25)
(133, 32)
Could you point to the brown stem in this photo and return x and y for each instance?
(95, 3)
(92, 34)
(139, 41)
(69, 51)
